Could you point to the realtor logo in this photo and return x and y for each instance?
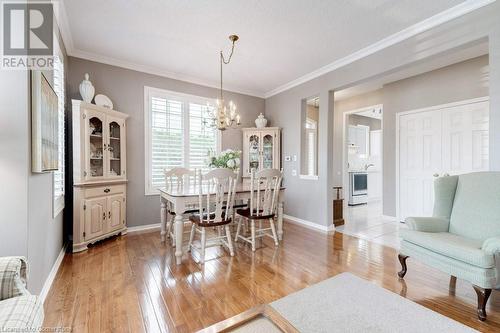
(27, 35)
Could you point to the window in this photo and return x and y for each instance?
(175, 134)
(58, 175)
(311, 130)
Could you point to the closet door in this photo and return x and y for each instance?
(452, 140)
(419, 160)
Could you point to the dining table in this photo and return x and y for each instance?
(180, 199)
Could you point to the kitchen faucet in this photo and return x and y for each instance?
(368, 165)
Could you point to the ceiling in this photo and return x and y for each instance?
(280, 40)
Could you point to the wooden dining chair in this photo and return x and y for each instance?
(177, 179)
(264, 190)
(215, 211)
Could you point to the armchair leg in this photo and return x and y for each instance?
(482, 299)
(402, 259)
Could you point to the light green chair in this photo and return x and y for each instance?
(462, 238)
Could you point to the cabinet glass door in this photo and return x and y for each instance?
(96, 147)
(115, 149)
(253, 152)
(267, 151)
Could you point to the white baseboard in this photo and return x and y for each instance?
(310, 225)
(389, 217)
(144, 227)
(52, 275)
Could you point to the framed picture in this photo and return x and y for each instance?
(44, 124)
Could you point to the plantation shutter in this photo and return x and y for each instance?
(201, 138)
(166, 136)
(179, 135)
(59, 89)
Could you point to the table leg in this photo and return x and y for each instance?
(280, 220)
(163, 220)
(179, 226)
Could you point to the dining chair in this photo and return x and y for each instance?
(264, 190)
(177, 179)
(215, 210)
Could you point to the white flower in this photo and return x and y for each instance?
(231, 164)
(237, 161)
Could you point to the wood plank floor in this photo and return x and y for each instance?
(131, 283)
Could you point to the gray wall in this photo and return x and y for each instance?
(126, 89)
(311, 200)
(373, 123)
(454, 83)
(27, 225)
(465, 80)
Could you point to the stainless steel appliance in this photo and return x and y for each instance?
(358, 188)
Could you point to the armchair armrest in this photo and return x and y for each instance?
(491, 245)
(12, 277)
(428, 224)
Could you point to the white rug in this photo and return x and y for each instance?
(346, 303)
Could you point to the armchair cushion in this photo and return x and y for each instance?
(491, 245)
(12, 277)
(21, 314)
(427, 224)
(457, 247)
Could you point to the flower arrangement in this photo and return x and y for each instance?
(227, 159)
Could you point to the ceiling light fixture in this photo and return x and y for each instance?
(222, 116)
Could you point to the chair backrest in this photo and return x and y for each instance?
(264, 190)
(476, 206)
(178, 177)
(219, 197)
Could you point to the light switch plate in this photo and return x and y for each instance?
(294, 172)
(295, 158)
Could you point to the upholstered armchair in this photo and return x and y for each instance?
(19, 310)
(462, 238)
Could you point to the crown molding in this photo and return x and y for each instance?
(422, 26)
(160, 72)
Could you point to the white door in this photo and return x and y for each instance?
(452, 140)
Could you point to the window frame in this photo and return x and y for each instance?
(58, 202)
(149, 93)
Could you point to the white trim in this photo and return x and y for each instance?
(426, 109)
(389, 217)
(310, 225)
(422, 26)
(143, 227)
(52, 275)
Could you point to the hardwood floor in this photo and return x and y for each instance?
(131, 283)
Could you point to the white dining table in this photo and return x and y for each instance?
(186, 197)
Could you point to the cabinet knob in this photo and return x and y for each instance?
(103, 216)
(106, 190)
(109, 214)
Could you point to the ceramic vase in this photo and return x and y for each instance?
(260, 122)
(87, 90)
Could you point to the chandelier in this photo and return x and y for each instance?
(224, 116)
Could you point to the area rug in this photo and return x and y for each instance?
(346, 303)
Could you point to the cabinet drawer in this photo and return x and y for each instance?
(104, 190)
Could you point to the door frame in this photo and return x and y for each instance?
(420, 110)
(345, 176)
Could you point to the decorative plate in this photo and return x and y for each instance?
(104, 101)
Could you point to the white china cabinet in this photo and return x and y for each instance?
(99, 173)
(261, 149)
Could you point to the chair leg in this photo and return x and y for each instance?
(171, 226)
(203, 244)
(273, 229)
(482, 299)
(238, 227)
(229, 240)
(402, 259)
(191, 236)
(170, 223)
(252, 229)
